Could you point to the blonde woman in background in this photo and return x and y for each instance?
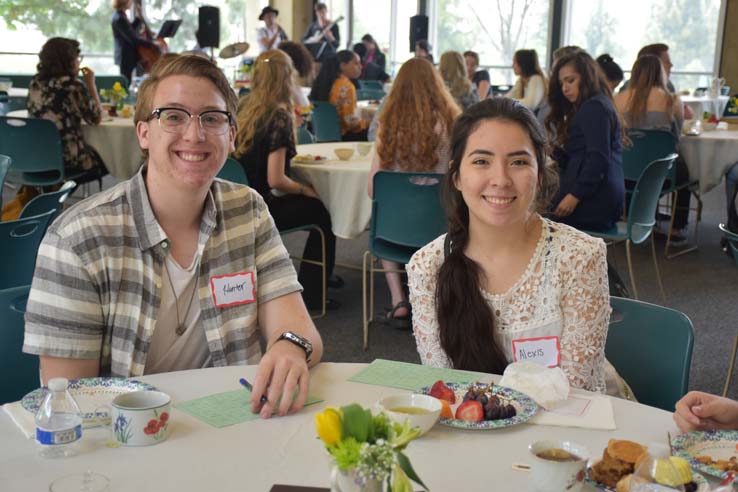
(265, 145)
(412, 136)
(453, 71)
(530, 88)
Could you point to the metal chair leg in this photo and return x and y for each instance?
(698, 218)
(656, 267)
(630, 269)
(729, 376)
(364, 300)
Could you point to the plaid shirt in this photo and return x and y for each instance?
(96, 289)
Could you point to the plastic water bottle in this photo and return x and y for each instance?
(58, 421)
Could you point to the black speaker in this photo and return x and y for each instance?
(208, 30)
(418, 29)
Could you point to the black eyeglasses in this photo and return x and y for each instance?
(177, 120)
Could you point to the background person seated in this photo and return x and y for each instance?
(613, 72)
(530, 88)
(453, 72)
(480, 78)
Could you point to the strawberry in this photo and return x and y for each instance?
(318, 158)
(470, 411)
(446, 411)
(442, 392)
(713, 119)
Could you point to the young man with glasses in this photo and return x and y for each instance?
(173, 269)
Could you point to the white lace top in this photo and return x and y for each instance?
(563, 292)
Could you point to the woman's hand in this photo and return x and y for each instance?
(567, 205)
(703, 411)
(88, 75)
(309, 191)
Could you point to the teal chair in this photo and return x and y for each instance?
(108, 81)
(370, 94)
(732, 239)
(11, 103)
(644, 201)
(232, 170)
(647, 146)
(373, 85)
(406, 215)
(53, 200)
(21, 370)
(304, 136)
(651, 348)
(4, 166)
(244, 91)
(19, 241)
(326, 124)
(22, 80)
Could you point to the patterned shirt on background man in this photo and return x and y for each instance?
(96, 289)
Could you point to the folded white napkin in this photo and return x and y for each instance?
(582, 409)
(545, 385)
(24, 419)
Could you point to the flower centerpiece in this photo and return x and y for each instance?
(115, 95)
(368, 448)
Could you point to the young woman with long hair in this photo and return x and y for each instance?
(530, 88)
(453, 71)
(588, 144)
(647, 103)
(334, 84)
(265, 144)
(503, 275)
(412, 136)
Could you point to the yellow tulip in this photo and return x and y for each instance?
(328, 426)
(117, 86)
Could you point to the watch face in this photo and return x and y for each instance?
(302, 342)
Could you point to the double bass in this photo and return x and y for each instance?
(148, 55)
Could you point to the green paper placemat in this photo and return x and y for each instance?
(404, 375)
(224, 409)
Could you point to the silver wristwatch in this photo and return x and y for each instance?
(301, 342)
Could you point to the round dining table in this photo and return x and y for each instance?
(341, 184)
(709, 156)
(257, 454)
(115, 140)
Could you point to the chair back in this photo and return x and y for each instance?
(651, 348)
(232, 170)
(373, 85)
(11, 103)
(108, 81)
(326, 124)
(244, 91)
(53, 200)
(19, 241)
(370, 94)
(4, 166)
(35, 147)
(644, 199)
(22, 80)
(407, 213)
(732, 238)
(22, 367)
(647, 146)
(304, 136)
(498, 90)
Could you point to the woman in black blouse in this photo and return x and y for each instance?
(264, 146)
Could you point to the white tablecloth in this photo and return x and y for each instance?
(342, 185)
(255, 455)
(115, 140)
(709, 156)
(703, 104)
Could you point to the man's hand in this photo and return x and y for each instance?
(703, 411)
(566, 205)
(282, 369)
(329, 36)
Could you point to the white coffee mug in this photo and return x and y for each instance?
(141, 418)
(548, 475)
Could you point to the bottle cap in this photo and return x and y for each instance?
(58, 384)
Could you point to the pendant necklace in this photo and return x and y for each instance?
(181, 328)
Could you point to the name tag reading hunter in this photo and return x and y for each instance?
(545, 351)
(233, 290)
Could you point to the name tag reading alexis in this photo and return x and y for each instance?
(233, 290)
(545, 351)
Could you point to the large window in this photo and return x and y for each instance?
(689, 27)
(495, 29)
(373, 17)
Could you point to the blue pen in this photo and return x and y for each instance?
(248, 386)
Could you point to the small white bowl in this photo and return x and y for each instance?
(363, 148)
(431, 408)
(344, 154)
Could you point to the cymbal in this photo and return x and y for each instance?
(234, 49)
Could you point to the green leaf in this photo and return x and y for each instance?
(400, 482)
(356, 422)
(404, 463)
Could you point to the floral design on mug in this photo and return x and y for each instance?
(156, 427)
(122, 429)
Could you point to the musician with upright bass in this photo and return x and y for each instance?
(322, 37)
(126, 37)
